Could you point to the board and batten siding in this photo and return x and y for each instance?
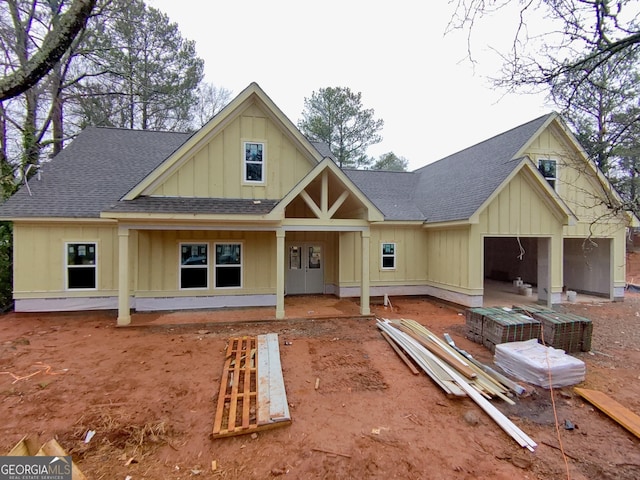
(159, 264)
(447, 258)
(39, 258)
(216, 169)
(583, 193)
(411, 256)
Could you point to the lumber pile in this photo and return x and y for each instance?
(455, 371)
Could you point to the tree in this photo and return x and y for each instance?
(209, 101)
(31, 68)
(391, 162)
(336, 116)
(601, 110)
(578, 36)
(152, 74)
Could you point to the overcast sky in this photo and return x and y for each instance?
(433, 101)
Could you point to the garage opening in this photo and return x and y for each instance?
(507, 259)
(587, 266)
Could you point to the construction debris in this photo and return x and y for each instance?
(252, 395)
(453, 372)
(28, 447)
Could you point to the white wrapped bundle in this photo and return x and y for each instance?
(536, 364)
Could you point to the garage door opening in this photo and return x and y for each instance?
(507, 259)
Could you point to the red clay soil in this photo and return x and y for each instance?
(150, 394)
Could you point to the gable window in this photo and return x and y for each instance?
(253, 162)
(388, 256)
(228, 265)
(194, 265)
(81, 266)
(548, 168)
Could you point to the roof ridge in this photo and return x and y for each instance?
(142, 130)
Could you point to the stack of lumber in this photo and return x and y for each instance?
(252, 396)
(566, 331)
(492, 326)
(454, 370)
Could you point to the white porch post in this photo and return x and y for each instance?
(280, 260)
(364, 281)
(124, 313)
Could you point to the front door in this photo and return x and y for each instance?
(305, 269)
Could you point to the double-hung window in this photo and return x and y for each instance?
(254, 162)
(228, 265)
(194, 265)
(388, 260)
(548, 168)
(81, 265)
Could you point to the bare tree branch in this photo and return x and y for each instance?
(55, 44)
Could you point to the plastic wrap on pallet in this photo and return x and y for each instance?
(534, 363)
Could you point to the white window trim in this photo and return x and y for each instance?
(66, 265)
(386, 255)
(241, 264)
(244, 162)
(180, 266)
(555, 179)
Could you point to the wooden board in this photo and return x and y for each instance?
(252, 395)
(613, 409)
(28, 447)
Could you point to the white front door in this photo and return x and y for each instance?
(305, 269)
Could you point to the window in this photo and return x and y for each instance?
(388, 256)
(548, 169)
(81, 266)
(253, 162)
(228, 265)
(194, 265)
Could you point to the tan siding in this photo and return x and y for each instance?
(518, 210)
(216, 169)
(159, 261)
(448, 257)
(40, 261)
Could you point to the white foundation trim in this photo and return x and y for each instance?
(74, 304)
(191, 303)
(466, 300)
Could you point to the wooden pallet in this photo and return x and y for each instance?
(252, 395)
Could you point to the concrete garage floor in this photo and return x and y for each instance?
(499, 294)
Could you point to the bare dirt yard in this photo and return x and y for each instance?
(150, 394)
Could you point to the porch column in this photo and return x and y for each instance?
(365, 280)
(280, 236)
(124, 309)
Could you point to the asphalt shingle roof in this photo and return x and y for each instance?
(194, 205)
(101, 165)
(92, 172)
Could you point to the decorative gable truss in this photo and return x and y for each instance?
(326, 194)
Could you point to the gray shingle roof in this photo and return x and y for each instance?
(93, 172)
(456, 186)
(101, 165)
(452, 188)
(392, 192)
(194, 205)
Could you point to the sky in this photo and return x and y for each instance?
(433, 101)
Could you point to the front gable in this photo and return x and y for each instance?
(581, 185)
(326, 196)
(525, 204)
(220, 161)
